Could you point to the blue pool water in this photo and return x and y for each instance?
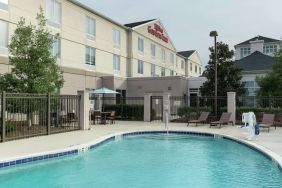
(152, 161)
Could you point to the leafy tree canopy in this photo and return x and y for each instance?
(271, 83)
(34, 68)
(228, 74)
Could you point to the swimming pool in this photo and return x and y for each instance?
(152, 160)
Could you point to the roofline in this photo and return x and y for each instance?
(256, 71)
(75, 2)
(141, 25)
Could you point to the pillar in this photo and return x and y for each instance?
(84, 106)
(166, 106)
(147, 107)
(231, 105)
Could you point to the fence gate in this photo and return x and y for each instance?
(156, 108)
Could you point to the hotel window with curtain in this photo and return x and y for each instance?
(153, 70)
(172, 59)
(140, 67)
(163, 72)
(90, 27)
(116, 64)
(3, 38)
(140, 45)
(163, 55)
(182, 64)
(56, 47)
(153, 51)
(116, 38)
(90, 55)
(4, 4)
(53, 12)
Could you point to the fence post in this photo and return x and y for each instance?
(231, 105)
(3, 111)
(84, 108)
(147, 107)
(48, 114)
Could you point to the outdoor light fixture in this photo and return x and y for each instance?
(214, 34)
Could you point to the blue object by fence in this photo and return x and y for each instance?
(257, 129)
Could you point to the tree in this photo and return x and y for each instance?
(228, 74)
(271, 83)
(34, 68)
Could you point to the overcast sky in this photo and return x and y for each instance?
(188, 22)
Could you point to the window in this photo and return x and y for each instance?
(172, 59)
(116, 38)
(3, 35)
(90, 56)
(163, 55)
(140, 67)
(251, 88)
(140, 45)
(182, 64)
(245, 52)
(53, 12)
(90, 27)
(200, 70)
(196, 68)
(171, 73)
(153, 70)
(153, 50)
(191, 67)
(56, 47)
(116, 64)
(270, 49)
(4, 4)
(176, 62)
(163, 71)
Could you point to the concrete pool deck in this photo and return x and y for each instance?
(268, 142)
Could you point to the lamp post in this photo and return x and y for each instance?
(214, 34)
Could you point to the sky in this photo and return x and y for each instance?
(189, 22)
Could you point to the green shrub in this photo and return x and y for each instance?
(10, 126)
(191, 111)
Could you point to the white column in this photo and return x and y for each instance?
(84, 106)
(147, 107)
(166, 106)
(231, 105)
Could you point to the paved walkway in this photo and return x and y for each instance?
(269, 141)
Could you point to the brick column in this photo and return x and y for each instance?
(231, 105)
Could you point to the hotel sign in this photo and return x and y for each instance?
(158, 32)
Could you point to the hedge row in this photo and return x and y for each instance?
(188, 111)
(129, 112)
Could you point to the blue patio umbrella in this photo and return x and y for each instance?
(103, 91)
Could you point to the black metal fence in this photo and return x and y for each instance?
(259, 105)
(185, 108)
(126, 108)
(28, 115)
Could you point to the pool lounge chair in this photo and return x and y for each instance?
(202, 119)
(224, 119)
(267, 121)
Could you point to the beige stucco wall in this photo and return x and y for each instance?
(176, 86)
(142, 32)
(194, 60)
(73, 42)
(77, 74)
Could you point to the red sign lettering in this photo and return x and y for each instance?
(158, 32)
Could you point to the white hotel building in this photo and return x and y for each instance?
(95, 51)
